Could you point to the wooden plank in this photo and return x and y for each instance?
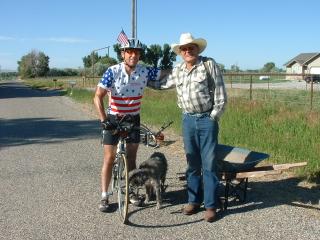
(255, 174)
(287, 166)
(263, 171)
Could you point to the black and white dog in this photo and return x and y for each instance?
(152, 175)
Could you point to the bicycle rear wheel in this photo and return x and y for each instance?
(123, 187)
(147, 137)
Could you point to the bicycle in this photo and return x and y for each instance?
(150, 138)
(120, 171)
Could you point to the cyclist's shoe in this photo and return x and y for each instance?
(104, 205)
(136, 200)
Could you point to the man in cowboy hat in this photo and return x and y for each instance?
(202, 97)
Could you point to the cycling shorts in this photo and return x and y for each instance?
(133, 135)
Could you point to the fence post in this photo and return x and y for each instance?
(250, 87)
(55, 83)
(311, 93)
(72, 84)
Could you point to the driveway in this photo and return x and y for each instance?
(50, 162)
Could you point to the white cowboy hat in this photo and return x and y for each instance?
(187, 38)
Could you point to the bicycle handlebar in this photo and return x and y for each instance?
(121, 128)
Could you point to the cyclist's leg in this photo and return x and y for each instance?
(106, 171)
(109, 149)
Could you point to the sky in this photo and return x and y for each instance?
(246, 33)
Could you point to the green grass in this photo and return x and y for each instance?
(287, 134)
(300, 99)
(82, 95)
(159, 107)
(269, 123)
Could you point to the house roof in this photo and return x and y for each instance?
(302, 58)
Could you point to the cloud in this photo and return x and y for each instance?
(51, 39)
(6, 38)
(64, 40)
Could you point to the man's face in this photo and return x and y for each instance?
(131, 56)
(189, 52)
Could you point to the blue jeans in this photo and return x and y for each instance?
(200, 136)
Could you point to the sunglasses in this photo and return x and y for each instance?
(132, 51)
(189, 48)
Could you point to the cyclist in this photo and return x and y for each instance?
(123, 84)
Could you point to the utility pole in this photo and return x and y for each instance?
(134, 19)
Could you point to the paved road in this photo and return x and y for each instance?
(50, 162)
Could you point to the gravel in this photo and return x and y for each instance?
(50, 162)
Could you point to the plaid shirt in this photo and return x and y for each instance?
(194, 95)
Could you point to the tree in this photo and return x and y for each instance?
(153, 55)
(109, 61)
(235, 68)
(222, 67)
(34, 64)
(103, 64)
(268, 67)
(87, 60)
(42, 65)
(117, 50)
(168, 57)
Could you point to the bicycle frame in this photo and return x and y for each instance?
(163, 127)
(148, 137)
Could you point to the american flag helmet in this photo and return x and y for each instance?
(131, 43)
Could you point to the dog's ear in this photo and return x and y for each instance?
(138, 177)
(133, 173)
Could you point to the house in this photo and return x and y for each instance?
(304, 63)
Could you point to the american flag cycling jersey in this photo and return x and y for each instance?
(125, 92)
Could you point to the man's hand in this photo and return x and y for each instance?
(107, 125)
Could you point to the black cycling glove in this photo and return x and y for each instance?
(107, 125)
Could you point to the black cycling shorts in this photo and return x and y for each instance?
(133, 136)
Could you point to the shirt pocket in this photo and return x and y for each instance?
(200, 84)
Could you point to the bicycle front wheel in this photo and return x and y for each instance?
(123, 187)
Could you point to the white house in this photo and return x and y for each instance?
(304, 63)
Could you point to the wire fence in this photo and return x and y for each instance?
(278, 88)
(289, 89)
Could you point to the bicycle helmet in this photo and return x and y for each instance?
(132, 43)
